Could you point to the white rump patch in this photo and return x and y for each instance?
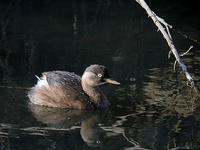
(41, 81)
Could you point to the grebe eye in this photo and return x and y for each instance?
(99, 75)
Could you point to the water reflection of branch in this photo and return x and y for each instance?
(3, 31)
(7, 70)
(176, 99)
(136, 144)
(176, 126)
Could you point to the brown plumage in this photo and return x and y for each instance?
(68, 90)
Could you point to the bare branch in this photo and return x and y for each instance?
(158, 22)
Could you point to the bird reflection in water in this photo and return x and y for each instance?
(60, 118)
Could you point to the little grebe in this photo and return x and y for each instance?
(68, 90)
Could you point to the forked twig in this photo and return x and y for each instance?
(181, 56)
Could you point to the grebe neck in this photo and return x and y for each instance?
(92, 89)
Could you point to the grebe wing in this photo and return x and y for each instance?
(68, 82)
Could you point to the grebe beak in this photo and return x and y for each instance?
(112, 81)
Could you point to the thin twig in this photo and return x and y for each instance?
(12, 87)
(175, 64)
(169, 54)
(187, 51)
(187, 37)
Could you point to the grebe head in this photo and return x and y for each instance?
(96, 75)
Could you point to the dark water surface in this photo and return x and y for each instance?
(153, 108)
